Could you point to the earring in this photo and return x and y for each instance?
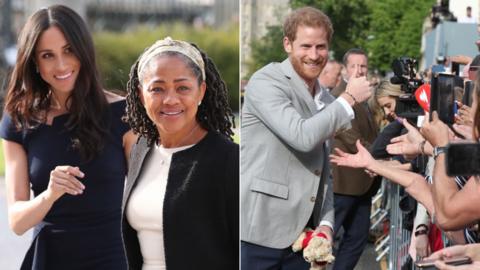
(199, 103)
(36, 68)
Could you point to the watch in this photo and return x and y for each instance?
(437, 150)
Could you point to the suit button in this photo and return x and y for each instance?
(312, 199)
(318, 172)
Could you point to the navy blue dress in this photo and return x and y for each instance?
(83, 231)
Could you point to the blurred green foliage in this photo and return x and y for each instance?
(267, 49)
(116, 52)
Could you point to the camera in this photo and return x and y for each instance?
(406, 76)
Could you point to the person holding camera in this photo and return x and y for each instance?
(353, 187)
(286, 120)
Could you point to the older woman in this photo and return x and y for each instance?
(181, 199)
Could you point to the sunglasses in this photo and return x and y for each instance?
(473, 68)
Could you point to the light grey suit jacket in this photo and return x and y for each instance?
(284, 159)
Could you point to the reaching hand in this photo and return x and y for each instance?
(402, 146)
(413, 135)
(435, 132)
(360, 160)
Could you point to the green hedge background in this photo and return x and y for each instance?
(116, 52)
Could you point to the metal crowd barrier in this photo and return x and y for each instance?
(393, 244)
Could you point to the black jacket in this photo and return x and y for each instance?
(200, 211)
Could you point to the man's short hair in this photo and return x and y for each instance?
(469, 8)
(306, 16)
(353, 51)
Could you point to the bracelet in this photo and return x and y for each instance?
(354, 99)
(421, 146)
(420, 232)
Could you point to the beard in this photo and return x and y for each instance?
(309, 74)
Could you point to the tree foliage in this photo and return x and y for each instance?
(267, 49)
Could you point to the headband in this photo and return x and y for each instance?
(170, 45)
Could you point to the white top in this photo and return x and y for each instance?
(145, 206)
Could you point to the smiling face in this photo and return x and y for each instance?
(308, 53)
(57, 64)
(170, 93)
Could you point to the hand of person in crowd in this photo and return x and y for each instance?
(422, 246)
(435, 132)
(359, 160)
(464, 115)
(464, 130)
(470, 250)
(409, 144)
(442, 266)
(359, 88)
(63, 179)
(462, 59)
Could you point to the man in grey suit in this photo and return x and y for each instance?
(286, 120)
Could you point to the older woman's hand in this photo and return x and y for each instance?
(435, 132)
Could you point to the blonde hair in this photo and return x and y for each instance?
(384, 89)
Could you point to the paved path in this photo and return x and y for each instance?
(12, 246)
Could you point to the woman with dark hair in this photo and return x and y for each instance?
(64, 138)
(180, 207)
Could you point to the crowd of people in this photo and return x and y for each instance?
(298, 111)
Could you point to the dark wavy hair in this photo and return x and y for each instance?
(28, 95)
(214, 114)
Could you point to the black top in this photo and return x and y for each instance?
(83, 231)
(200, 210)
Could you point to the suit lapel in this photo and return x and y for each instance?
(299, 87)
(139, 152)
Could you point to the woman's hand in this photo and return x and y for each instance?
(435, 132)
(407, 144)
(360, 160)
(63, 179)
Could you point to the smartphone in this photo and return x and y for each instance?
(463, 159)
(430, 264)
(442, 97)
